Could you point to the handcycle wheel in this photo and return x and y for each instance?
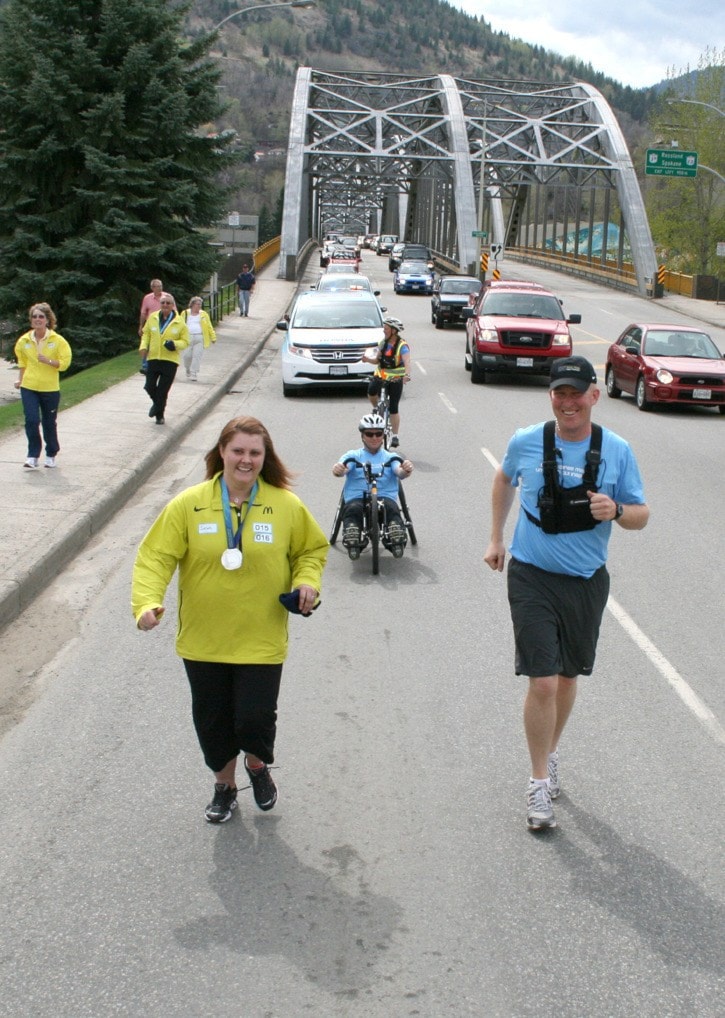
(406, 514)
(374, 531)
(337, 522)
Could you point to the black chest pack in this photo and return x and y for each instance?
(565, 510)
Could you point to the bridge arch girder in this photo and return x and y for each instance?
(401, 151)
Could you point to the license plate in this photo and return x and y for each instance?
(702, 393)
(415, 286)
(338, 369)
(524, 362)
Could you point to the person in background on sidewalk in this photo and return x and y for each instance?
(150, 303)
(201, 335)
(575, 479)
(245, 547)
(164, 335)
(371, 430)
(246, 282)
(392, 361)
(41, 354)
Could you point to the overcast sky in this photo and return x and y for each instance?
(633, 41)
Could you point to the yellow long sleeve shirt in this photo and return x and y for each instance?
(42, 377)
(230, 616)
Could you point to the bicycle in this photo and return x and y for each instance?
(382, 408)
(375, 512)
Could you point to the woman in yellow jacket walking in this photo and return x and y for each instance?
(248, 551)
(201, 335)
(42, 354)
(164, 335)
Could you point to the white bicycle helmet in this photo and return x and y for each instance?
(394, 323)
(371, 422)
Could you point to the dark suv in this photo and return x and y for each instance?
(410, 253)
(451, 295)
(516, 330)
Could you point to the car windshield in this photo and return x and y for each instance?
(669, 343)
(339, 282)
(419, 268)
(460, 286)
(340, 315)
(522, 305)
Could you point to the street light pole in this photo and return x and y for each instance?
(261, 7)
(695, 102)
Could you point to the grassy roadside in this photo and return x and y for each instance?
(79, 387)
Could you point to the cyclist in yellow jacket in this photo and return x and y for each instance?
(392, 360)
(240, 539)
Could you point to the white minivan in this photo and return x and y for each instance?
(326, 337)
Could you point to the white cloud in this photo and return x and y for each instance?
(635, 43)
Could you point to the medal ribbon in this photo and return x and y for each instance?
(235, 540)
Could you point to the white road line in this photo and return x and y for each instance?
(685, 692)
(683, 689)
(420, 367)
(491, 458)
(447, 403)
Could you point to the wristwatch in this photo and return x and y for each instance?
(618, 511)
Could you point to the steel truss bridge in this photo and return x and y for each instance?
(436, 159)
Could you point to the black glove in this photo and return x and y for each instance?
(291, 602)
(170, 344)
(143, 367)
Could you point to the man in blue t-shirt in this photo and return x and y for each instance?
(558, 582)
(371, 429)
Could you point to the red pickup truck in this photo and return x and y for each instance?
(516, 329)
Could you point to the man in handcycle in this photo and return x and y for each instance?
(372, 451)
(392, 360)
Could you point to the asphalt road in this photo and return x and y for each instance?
(396, 877)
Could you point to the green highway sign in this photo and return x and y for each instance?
(479, 233)
(670, 162)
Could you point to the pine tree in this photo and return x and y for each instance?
(107, 175)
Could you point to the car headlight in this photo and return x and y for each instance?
(562, 339)
(488, 336)
(664, 376)
(300, 351)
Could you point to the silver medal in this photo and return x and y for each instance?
(232, 558)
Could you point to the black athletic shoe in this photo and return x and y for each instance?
(222, 805)
(263, 787)
(153, 411)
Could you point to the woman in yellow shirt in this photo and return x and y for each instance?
(41, 354)
(240, 539)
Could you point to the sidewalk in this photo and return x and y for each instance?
(109, 449)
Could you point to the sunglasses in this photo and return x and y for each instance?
(373, 434)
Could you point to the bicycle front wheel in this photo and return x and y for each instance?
(375, 531)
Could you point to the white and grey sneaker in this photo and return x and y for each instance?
(554, 783)
(539, 814)
(31, 463)
(50, 462)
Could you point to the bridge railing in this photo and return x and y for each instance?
(222, 300)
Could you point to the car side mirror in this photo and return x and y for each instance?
(574, 319)
(469, 312)
(283, 325)
(376, 293)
